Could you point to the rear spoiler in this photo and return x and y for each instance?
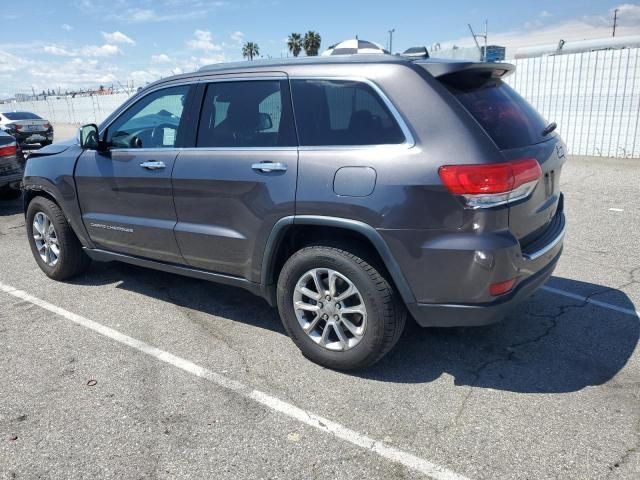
(485, 69)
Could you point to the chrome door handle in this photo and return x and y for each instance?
(267, 167)
(153, 165)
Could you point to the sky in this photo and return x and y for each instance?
(71, 44)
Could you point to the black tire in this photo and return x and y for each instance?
(71, 260)
(386, 314)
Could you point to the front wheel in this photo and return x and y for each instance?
(53, 243)
(338, 309)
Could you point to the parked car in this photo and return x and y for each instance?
(27, 127)
(10, 167)
(346, 191)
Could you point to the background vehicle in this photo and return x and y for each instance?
(344, 190)
(27, 127)
(10, 167)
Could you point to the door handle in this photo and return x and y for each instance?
(153, 165)
(267, 167)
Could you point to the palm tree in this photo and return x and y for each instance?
(311, 43)
(295, 44)
(250, 50)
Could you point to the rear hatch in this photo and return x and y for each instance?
(519, 132)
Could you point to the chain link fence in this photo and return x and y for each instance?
(594, 97)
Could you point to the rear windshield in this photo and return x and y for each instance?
(21, 116)
(507, 117)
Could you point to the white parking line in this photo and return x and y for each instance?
(308, 418)
(610, 306)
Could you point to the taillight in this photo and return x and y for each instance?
(47, 125)
(8, 150)
(16, 126)
(489, 185)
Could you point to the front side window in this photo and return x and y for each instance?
(252, 113)
(342, 112)
(153, 122)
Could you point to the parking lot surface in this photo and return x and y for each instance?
(131, 373)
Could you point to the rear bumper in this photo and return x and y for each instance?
(450, 274)
(461, 315)
(33, 137)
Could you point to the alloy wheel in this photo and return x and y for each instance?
(330, 309)
(46, 239)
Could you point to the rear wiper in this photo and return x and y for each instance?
(549, 128)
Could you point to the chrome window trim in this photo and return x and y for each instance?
(409, 140)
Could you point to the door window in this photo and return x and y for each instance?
(246, 114)
(342, 112)
(152, 122)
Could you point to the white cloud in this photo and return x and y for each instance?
(161, 58)
(118, 37)
(66, 27)
(237, 36)
(58, 51)
(628, 15)
(203, 40)
(106, 50)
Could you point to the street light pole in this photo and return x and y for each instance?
(391, 40)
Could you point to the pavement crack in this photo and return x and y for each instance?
(624, 458)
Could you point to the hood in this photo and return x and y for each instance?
(54, 148)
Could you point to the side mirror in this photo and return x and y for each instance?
(264, 122)
(89, 138)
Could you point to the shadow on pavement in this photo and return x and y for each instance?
(548, 344)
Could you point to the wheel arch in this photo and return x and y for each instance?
(286, 235)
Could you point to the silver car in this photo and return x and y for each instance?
(27, 127)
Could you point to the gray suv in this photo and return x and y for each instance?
(347, 191)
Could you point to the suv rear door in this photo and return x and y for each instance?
(240, 178)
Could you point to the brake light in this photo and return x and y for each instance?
(501, 288)
(17, 126)
(47, 125)
(8, 150)
(492, 184)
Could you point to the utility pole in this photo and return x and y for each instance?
(615, 21)
(391, 40)
(483, 55)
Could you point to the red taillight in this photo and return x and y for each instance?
(501, 288)
(489, 178)
(8, 150)
(47, 125)
(17, 126)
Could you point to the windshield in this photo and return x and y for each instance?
(507, 117)
(21, 116)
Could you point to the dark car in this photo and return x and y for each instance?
(27, 128)
(10, 167)
(346, 191)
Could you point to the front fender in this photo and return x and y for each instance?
(53, 175)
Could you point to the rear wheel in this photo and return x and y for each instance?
(53, 243)
(337, 308)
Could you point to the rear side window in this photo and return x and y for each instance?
(507, 117)
(21, 116)
(342, 112)
(246, 114)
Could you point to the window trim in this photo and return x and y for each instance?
(409, 141)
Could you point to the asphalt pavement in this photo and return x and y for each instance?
(132, 373)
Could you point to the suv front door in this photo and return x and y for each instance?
(125, 193)
(241, 178)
